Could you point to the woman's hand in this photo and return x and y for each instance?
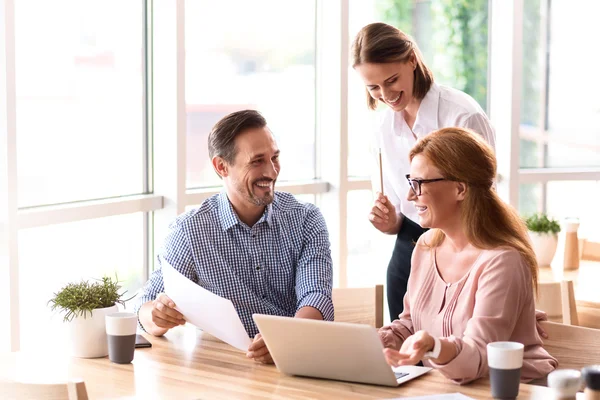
(383, 215)
(412, 351)
(541, 316)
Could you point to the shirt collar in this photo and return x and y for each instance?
(229, 218)
(427, 121)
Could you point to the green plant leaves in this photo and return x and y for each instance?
(79, 299)
(541, 223)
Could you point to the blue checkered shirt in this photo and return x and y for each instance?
(279, 265)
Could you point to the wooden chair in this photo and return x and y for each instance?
(74, 390)
(588, 314)
(573, 346)
(589, 250)
(557, 299)
(359, 305)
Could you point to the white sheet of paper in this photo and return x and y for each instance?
(447, 396)
(204, 309)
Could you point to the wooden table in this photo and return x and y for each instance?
(187, 364)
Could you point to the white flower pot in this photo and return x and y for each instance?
(544, 246)
(88, 335)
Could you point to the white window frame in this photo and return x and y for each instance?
(506, 66)
(9, 273)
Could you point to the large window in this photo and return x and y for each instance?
(264, 62)
(560, 118)
(79, 83)
(53, 256)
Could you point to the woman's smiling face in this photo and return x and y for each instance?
(391, 83)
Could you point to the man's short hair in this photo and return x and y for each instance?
(221, 139)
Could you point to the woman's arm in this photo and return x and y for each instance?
(392, 336)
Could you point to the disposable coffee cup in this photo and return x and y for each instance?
(120, 330)
(505, 360)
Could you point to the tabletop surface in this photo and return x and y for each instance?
(188, 364)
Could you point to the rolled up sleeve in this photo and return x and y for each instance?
(314, 271)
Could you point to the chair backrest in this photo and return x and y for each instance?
(573, 346)
(359, 305)
(557, 299)
(74, 390)
(589, 250)
(588, 313)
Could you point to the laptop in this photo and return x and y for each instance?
(331, 350)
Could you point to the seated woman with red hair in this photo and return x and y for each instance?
(474, 273)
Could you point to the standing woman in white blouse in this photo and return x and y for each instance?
(392, 68)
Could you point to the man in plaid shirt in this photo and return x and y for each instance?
(263, 250)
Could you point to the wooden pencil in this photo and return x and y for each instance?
(380, 172)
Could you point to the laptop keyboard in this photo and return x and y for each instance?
(400, 374)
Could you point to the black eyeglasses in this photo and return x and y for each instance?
(415, 184)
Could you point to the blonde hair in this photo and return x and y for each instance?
(463, 156)
(380, 43)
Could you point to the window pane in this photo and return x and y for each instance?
(533, 86)
(4, 212)
(453, 39)
(530, 198)
(569, 136)
(560, 203)
(369, 250)
(574, 136)
(79, 100)
(266, 62)
(53, 256)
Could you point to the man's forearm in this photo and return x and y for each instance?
(145, 317)
(309, 313)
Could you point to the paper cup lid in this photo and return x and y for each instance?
(505, 355)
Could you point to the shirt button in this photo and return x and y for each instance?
(257, 267)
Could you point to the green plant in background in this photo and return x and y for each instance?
(542, 224)
(77, 299)
(452, 35)
(398, 13)
(468, 25)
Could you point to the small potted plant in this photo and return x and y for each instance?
(85, 306)
(543, 233)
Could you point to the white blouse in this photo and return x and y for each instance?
(442, 107)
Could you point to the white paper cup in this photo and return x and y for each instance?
(120, 331)
(505, 360)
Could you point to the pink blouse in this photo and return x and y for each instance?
(493, 301)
